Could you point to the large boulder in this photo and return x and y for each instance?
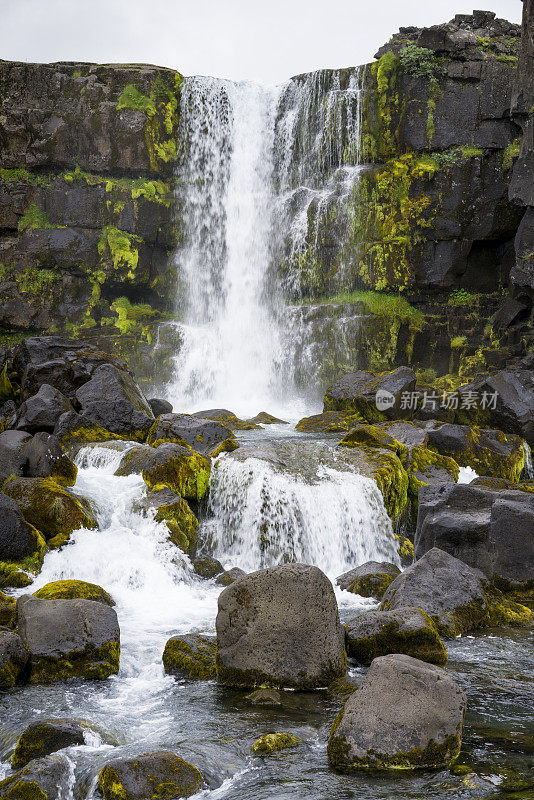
(74, 590)
(206, 436)
(488, 452)
(13, 659)
(453, 594)
(48, 778)
(42, 411)
(280, 627)
(113, 400)
(375, 397)
(18, 539)
(161, 775)
(52, 509)
(405, 714)
(45, 459)
(406, 630)
(490, 530)
(69, 638)
(370, 579)
(169, 466)
(190, 655)
(47, 736)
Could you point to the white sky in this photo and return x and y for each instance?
(267, 41)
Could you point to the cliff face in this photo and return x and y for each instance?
(86, 164)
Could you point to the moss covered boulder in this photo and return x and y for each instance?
(230, 576)
(373, 436)
(207, 567)
(8, 611)
(47, 778)
(69, 639)
(425, 467)
(489, 452)
(169, 507)
(72, 590)
(273, 742)
(205, 436)
(191, 655)
(406, 630)
(228, 419)
(370, 579)
(13, 659)
(47, 736)
(169, 466)
(406, 714)
(19, 540)
(52, 509)
(151, 775)
(329, 422)
(46, 459)
(76, 429)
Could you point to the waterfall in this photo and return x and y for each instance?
(231, 348)
(296, 502)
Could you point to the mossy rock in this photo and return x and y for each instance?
(176, 513)
(265, 697)
(207, 567)
(157, 776)
(425, 466)
(45, 778)
(264, 418)
(191, 655)
(372, 436)
(405, 630)
(370, 579)
(74, 589)
(13, 577)
(51, 508)
(178, 468)
(229, 419)
(8, 611)
(226, 446)
(74, 429)
(329, 422)
(273, 742)
(47, 736)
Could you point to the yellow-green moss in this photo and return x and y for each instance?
(422, 643)
(95, 663)
(423, 464)
(8, 611)
(167, 777)
(120, 247)
(72, 589)
(197, 661)
(187, 475)
(273, 742)
(33, 218)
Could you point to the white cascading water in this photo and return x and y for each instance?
(231, 351)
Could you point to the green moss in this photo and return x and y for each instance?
(273, 742)
(371, 436)
(160, 776)
(13, 788)
(8, 611)
(376, 303)
(187, 475)
(130, 316)
(392, 480)
(510, 153)
(372, 585)
(461, 297)
(32, 281)
(458, 342)
(131, 97)
(87, 433)
(7, 392)
(94, 663)
(153, 190)
(120, 246)
(395, 637)
(197, 660)
(72, 589)
(34, 218)
(435, 755)
(425, 466)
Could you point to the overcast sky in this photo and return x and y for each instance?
(266, 41)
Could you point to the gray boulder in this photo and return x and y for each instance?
(160, 406)
(405, 714)
(207, 567)
(18, 538)
(203, 435)
(229, 576)
(12, 455)
(46, 778)
(45, 458)
(370, 579)
(47, 736)
(280, 627)
(361, 392)
(190, 655)
(69, 638)
(13, 659)
(113, 400)
(42, 411)
(490, 530)
(160, 774)
(406, 630)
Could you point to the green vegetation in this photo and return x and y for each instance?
(132, 98)
(461, 297)
(33, 218)
(458, 342)
(378, 303)
(120, 245)
(154, 190)
(129, 316)
(419, 61)
(510, 153)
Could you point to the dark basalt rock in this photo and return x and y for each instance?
(170, 466)
(42, 411)
(18, 539)
(203, 435)
(47, 736)
(191, 655)
(161, 774)
(207, 567)
(69, 639)
(359, 392)
(45, 458)
(70, 589)
(13, 660)
(492, 531)
(405, 714)
(229, 576)
(42, 779)
(370, 579)
(12, 456)
(228, 419)
(259, 643)
(159, 406)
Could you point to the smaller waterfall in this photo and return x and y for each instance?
(528, 469)
(320, 513)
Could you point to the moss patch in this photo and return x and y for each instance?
(273, 742)
(72, 589)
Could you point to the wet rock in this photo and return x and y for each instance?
(112, 400)
(359, 392)
(53, 510)
(264, 418)
(372, 436)
(488, 452)
(453, 594)
(265, 697)
(191, 655)
(426, 467)
(69, 639)
(406, 714)
(259, 642)
(12, 456)
(47, 736)
(490, 530)
(204, 436)
(229, 576)
(161, 774)
(18, 539)
(207, 567)
(405, 630)
(328, 422)
(76, 429)
(8, 611)
(228, 419)
(160, 406)
(74, 590)
(273, 742)
(169, 466)
(370, 579)
(13, 659)
(42, 779)
(45, 459)
(407, 433)
(172, 509)
(42, 411)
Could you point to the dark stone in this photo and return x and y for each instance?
(12, 456)
(42, 411)
(203, 435)
(406, 713)
(358, 392)
(112, 400)
(47, 736)
(230, 576)
(161, 774)
(18, 539)
(190, 655)
(13, 660)
(260, 642)
(370, 579)
(207, 567)
(46, 778)
(45, 458)
(69, 638)
(492, 531)
(159, 406)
